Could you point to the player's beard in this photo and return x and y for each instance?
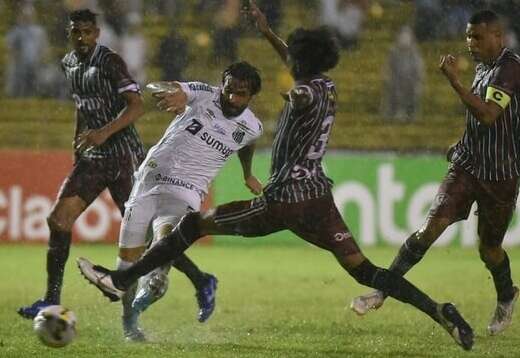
(229, 110)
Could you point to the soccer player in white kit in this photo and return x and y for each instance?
(212, 124)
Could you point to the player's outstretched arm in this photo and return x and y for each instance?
(261, 23)
(246, 159)
(173, 101)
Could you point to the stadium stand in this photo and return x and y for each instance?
(40, 123)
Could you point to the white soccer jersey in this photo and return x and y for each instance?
(195, 145)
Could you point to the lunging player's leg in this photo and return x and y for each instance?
(191, 227)
(394, 285)
(409, 254)
(320, 223)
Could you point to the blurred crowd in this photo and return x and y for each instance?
(33, 61)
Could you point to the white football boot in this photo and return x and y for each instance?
(100, 277)
(371, 301)
(503, 315)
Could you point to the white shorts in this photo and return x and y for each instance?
(156, 211)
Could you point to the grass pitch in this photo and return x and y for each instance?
(273, 301)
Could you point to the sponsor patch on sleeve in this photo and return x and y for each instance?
(498, 96)
(199, 86)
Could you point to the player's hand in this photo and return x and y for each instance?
(173, 102)
(448, 66)
(259, 17)
(90, 138)
(254, 185)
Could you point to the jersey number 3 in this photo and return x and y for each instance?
(318, 148)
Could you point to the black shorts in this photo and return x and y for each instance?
(89, 177)
(496, 202)
(317, 221)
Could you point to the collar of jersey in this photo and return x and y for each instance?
(494, 63)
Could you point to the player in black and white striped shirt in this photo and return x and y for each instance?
(301, 141)
(107, 150)
(298, 196)
(485, 165)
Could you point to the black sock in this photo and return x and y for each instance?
(188, 267)
(165, 250)
(410, 253)
(395, 286)
(502, 279)
(57, 255)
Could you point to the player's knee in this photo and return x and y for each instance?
(57, 223)
(431, 231)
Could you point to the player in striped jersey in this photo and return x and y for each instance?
(485, 166)
(298, 196)
(107, 149)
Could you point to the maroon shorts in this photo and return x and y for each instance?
(316, 221)
(496, 202)
(89, 177)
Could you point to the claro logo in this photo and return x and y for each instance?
(24, 217)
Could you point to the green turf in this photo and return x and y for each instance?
(276, 301)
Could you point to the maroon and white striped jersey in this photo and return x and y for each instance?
(493, 152)
(301, 141)
(97, 84)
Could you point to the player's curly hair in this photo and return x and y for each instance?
(245, 72)
(84, 15)
(312, 51)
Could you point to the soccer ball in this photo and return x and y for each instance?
(55, 326)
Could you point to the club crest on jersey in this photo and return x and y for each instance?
(238, 135)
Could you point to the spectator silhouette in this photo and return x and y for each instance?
(428, 15)
(108, 36)
(345, 17)
(272, 10)
(133, 48)
(403, 83)
(28, 45)
(172, 57)
(226, 32)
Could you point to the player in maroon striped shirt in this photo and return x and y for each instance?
(484, 165)
(298, 196)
